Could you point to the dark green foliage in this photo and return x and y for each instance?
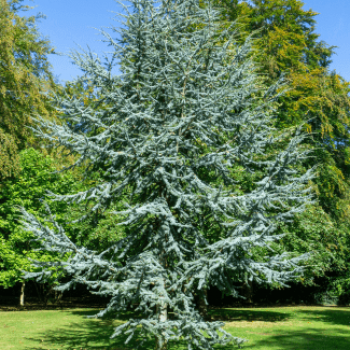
(288, 44)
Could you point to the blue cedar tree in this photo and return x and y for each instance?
(169, 115)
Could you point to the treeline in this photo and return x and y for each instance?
(285, 42)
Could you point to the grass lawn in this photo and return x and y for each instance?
(282, 328)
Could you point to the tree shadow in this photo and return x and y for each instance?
(124, 316)
(37, 306)
(246, 315)
(86, 334)
(308, 339)
(228, 315)
(331, 315)
(91, 335)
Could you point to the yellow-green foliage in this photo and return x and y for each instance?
(24, 72)
(286, 42)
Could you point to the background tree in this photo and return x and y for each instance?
(26, 82)
(287, 44)
(28, 190)
(25, 77)
(171, 115)
(38, 173)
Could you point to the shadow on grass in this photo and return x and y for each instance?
(330, 315)
(91, 335)
(125, 316)
(86, 335)
(308, 339)
(247, 315)
(95, 335)
(214, 315)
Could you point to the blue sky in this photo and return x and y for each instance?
(71, 23)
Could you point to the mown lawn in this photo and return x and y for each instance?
(288, 328)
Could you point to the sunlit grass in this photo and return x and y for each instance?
(289, 328)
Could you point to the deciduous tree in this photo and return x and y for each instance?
(28, 190)
(287, 43)
(24, 78)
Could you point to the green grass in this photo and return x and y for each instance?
(288, 328)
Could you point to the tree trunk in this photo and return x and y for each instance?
(21, 298)
(42, 294)
(162, 310)
(161, 342)
(248, 292)
(58, 297)
(46, 295)
(201, 304)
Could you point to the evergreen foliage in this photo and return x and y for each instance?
(184, 112)
(286, 43)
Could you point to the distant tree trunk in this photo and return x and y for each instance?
(42, 294)
(21, 298)
(46, 294)
(38, 291)
(58, 297)
(247, 292)
(202, 306)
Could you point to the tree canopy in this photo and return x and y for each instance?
(286, 43)
(24, 78)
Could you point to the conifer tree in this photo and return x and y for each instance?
(183, 105)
